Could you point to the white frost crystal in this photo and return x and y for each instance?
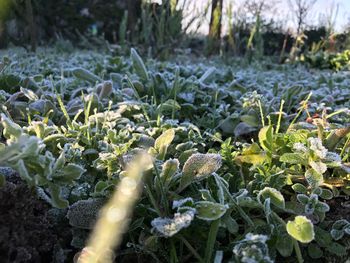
(317, 147)
(168, 227)
(299, 147)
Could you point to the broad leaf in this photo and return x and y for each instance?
(210, 211)
(301, 229)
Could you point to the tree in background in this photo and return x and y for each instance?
(300, 10)
(215, 26)
(256, 8)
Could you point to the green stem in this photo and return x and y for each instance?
(297, 251)
(261, 114)
(300, 111)
(161, 189)
(279, 117)
(153, 201)
(211, 240)
(173, 254)
(233, 202)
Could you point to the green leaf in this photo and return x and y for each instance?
(314, 178)
(254, 159)
(293, 158)
(169, 169)
(208, 75)
(56, 199)
(284, 243)
(299, 188)
(322, 237)
(301, 229)
(69, 173)
(275, 196)
(168, 107)
(322, 207)
(251, 120)
(10, 128)
(139, 65)
(326, 194)
(210, 211)
(230, 223)
(302, 198)
(23, 172)
(319, 167)
(336, 249)
(84, 74)
(314, 251)
(266, 138)
(338, 229)
(163, 141)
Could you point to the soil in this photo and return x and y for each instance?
(28, 233)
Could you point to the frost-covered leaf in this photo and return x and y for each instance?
(302, 198)
(243, 129)
(314, 178)
(11, 129)
(317, 147)
(326, 194)
(69, 173)
(139, 65)
(319, 167)
(275, 196)
(230, 223)
(252, 248)
(56, 199)
(299, 188)
(169, 169)
(302, 229)
(84, 213)
(338, 229)
(183, 202)
(208, 75)
(86, 75)
(210, 211)
(299, 147)
(293, 158)
(168, 227)
(163, 141)
(199, 166)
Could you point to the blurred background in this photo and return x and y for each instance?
(253, 28)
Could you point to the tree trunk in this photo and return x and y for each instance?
(215, 19)
(32, 28)
(134, 8)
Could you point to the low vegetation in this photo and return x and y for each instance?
(246, 163)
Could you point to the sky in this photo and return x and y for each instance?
(281, 13)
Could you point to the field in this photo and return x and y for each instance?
(211, 160)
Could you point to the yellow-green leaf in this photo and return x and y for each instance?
(301, 229)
